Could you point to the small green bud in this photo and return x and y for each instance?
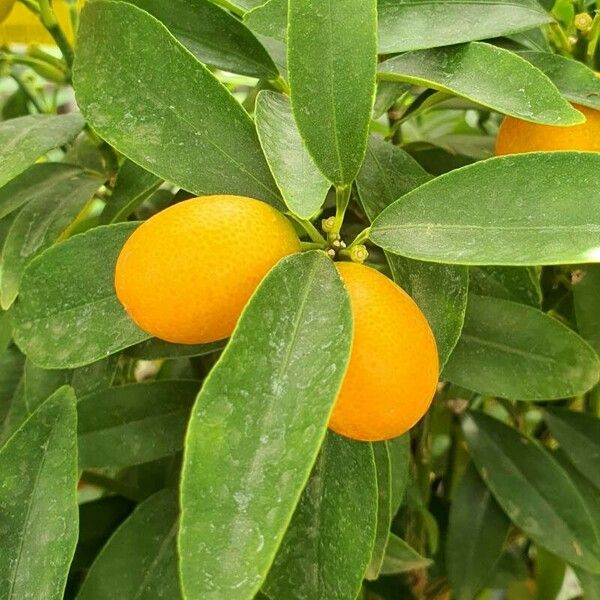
(328, 224)
(583, 22)
(359, 253)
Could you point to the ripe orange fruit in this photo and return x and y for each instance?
(393, 370)
(516, 136)
(187, 272)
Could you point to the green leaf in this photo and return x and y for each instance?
(257, 426)
(579, 437)
(212, 35)
(384, 507)
(184, 127)
(39, 224)
(399, 451)
(533, 490)
(155, 349)
(133, 186)
(140, 559)
(134, 424)
(401, 558)
(491, 76)
(11, 370)
(519, 284)
(38, 501)
(326, 549)
(430, 23)
(327, 41)
(387, 93)
(574, 80)
(302, 185)
(269, 19)
(67, 314)
(586, 296)
(549, 574)
(589, 582)
(440, 290)
(476, 534)
(24, 140)
(515, 351)
(525, 209)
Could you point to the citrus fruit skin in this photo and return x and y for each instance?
(393, 370)
(186, 273)
(516, 136)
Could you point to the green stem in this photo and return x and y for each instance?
(593, 37)
(281, 85)
(311, 246)
(31, 5)
(28, 91)
(236, 10)
(311, 230)
(48, 19)
(363, 236)
(560, 38)
(342, 198)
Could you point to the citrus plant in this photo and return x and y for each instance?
(300, 299)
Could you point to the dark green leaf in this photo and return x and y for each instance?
(67, 314)
(387, 93)
(526, 209)
(39, 224)
(549, 574)
(519, 284)
(155, 349)
(589, 582)
(430, 23)
(399, 451)
(269, 19)
(440, 290)
(326, 549)
(575, 81)
(38, 502)
(257, 426)
(401, 558)
(491, 76)
(533, 490)
(384, 507)
(476, 535)
(186, 128)
(140, 559)
(515, 351)
(24, 140)
(332, 59)
(213, 35)
(302, 185)
(133, 186)
(579, 437)
(11, 370)
(586, 295)
(135, 423)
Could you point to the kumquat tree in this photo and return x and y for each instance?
(299, 299)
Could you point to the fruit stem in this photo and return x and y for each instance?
(280, 84)
(311, 246)
(342, 198)
(363, 236)
(28, 91)
(311, 230)
(48, 19)
(593, 36)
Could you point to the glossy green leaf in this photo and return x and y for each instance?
(574, 80)
(326, 549)
(186, 128)
(302, 185)
(399, 451)
(257, 426)
(440, 290)
(269, 19)
(332, 59)
(155, 349)
(384, 507)
(401, 558)
(134, 423)
(11, 370)
(212, 35)
(525, 209)
(42, 221)
(586, 296)
(515, 351)
(24, 140)
(67, 314)
(430, 23)
(579, 437)
(533, 490)
(519, 284)
(491, 76)
(140, 559)
(133, 186)
(38, 502)
(476, 534)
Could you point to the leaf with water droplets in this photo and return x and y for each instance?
(257, 426)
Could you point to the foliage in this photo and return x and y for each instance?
(135, 468)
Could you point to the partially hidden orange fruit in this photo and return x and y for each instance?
(187, 272)
(516, 136)
(393, 370)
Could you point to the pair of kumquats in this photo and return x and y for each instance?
(185, 275)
